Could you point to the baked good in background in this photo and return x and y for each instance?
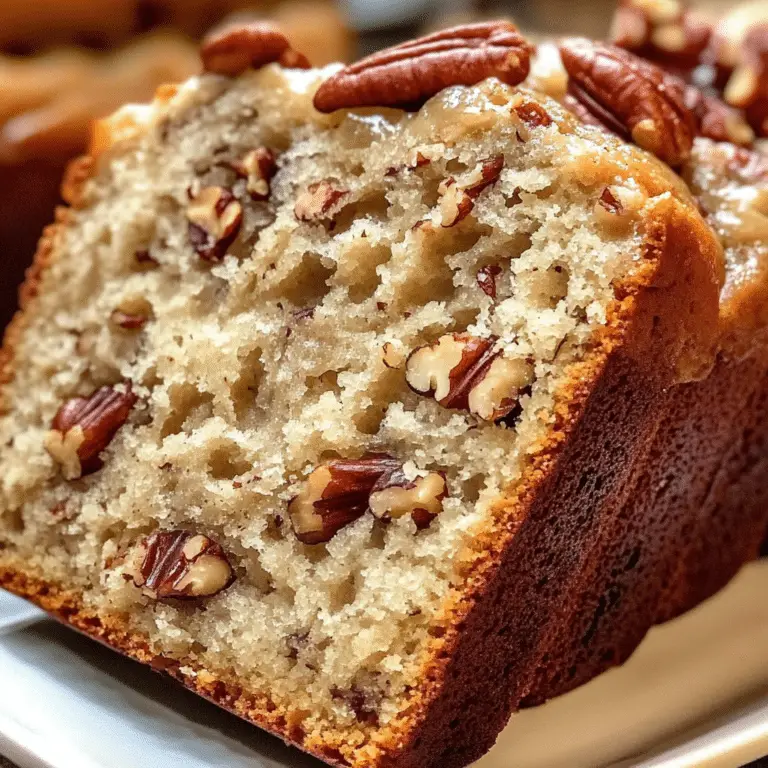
(415, 399)
(48, 101)
(29, 27)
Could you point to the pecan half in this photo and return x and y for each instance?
(394, 496)
(84, 426)
(466, 372)
(747, 87)
(457, 202)
(235, 48)
(663, 31)
(335, 495)
(409, 74)
(215, 218)
(486, 279)
(320, 201)
(632, 97)
(182, 564)
(257, 167)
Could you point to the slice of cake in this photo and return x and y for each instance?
(332, 388)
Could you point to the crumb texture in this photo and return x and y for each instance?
(250, 279)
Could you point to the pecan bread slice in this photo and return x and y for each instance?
(394, 375)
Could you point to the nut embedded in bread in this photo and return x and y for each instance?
(398, 370)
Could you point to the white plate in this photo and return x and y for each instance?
(695, 694)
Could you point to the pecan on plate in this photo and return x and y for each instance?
(181, 564)
(234, 48)
(631, 97)
(84, 426)
(408, 74)
(335, 495)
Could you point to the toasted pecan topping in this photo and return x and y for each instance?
(233, 49)
(409, 74)
(632, 97)
(716, 120)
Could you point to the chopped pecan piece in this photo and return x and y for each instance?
(130, 322)
(215, 218)
(663, 31)
(727, 48)
(394, 496)
(409, 74)
(618, 206)
(610, 202)
(361, 704)
(466, 372)
(391, 356)
(486, 279)
(335, 495)
(257, 167)
(84, 426)
(457, 202)
(181, 564)
(320, 201)
(533, 114)
(631, 97)
(235, 48)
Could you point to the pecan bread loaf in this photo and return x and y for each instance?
(332, 388)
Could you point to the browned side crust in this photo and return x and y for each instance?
(537, 556)
(697, 510)
(535, 559)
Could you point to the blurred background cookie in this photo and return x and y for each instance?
(49, 98)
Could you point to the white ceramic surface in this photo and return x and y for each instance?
(695, 695)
